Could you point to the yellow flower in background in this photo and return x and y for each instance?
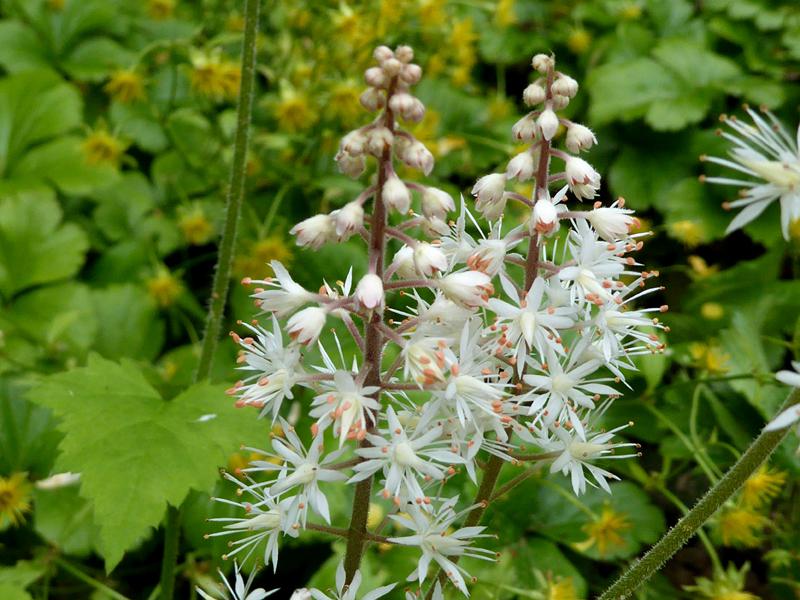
(712, 311)
(195, 226)
(605, 531)
(256, 258)
(343, 103)
(375, 515)
(100, 147)
(500, 107)
(741, 527)
(160, 9)
(794, 231)
(631, 11)
(504, 14)
(164, 288)
(125, 85)
(725, 585)
(762, 486)
(15, 499)
(462, 38)
(56, 5)
(689, 232)
(579, 40)
(700, 268)
(432, 13)
(294, 111)
(213, 76)
(709, 357)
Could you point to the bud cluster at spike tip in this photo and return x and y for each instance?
(506, 339)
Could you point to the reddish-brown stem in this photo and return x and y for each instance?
(373, 348)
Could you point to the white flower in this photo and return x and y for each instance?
(379, 139)
(352, 166)
(348, 404)
(533, 94)
(429, 259)
(349, 591)
(240, 590)
(433, 535)
(424, 360)
(543, 63)
(286, 295)
(58, 480)
(396, 195)
(560, 389)
(521, 167)
(298, 467)
(305, 326)
(348, 219)
(548, 123)
(767, 154)
(314, 231)
(791, 414)
(436, 203)
(488, 257)
(467, 288)
(577, 454)
(264, 520)
(404, 459)
(579, 137)
(403, 263)
(582, 179)
(490, 192)
(611, 222)
(415, 154)
(275, 369)
(407, 107)
(369, 292)
(525, 128)
(353, 142)
(372, 99)
(531, 324)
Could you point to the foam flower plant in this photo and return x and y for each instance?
(511, 336)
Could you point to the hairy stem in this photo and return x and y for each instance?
(641, 570)
(373, 351)
(222, 273)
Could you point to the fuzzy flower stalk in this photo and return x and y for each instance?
(474, 344)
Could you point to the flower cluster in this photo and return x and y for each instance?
(474, 344)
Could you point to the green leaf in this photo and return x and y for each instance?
(95, 58)
(28, 437)
(139, 123)
(57, 110)
(131, 314)
(123, 206)
(122, 437)
(65, 520)
(9, 591)
(20, 49)
(34, 247)
(21, 575)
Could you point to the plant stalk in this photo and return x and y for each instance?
(641, 570)
(222, 272)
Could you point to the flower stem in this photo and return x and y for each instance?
(640, 571)
(373, 348)
(88, 579)
(222, 273)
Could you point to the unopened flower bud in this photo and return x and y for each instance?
(545, 216)
(524, 129)
(490, 193)
(611, 222)
(369, 292)
(407, 106)
(305, 326)
(396, 195)
(521, 167)
(314, 231)
(429, 259)
(579, 137)
(548, 123)
(411, 73)
(372, 99)
(379, 139)
(416, 156)
(559, 102)
(469, 289)
(403, 263)
(436, 203)
(435, 226)
(391, 66)
(404, 54)
(382, 53)
(583, 180)
(353, 142)
(352, 166)
(533, 94)
(566, 86)
(543, 63)
(348, 219)
(375, 77)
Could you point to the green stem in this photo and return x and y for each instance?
(641, 570)
(88, 579)
(222, 273)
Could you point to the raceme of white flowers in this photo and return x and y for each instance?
(770, 157)
(474, 342)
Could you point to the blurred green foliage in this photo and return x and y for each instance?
(116, 122)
